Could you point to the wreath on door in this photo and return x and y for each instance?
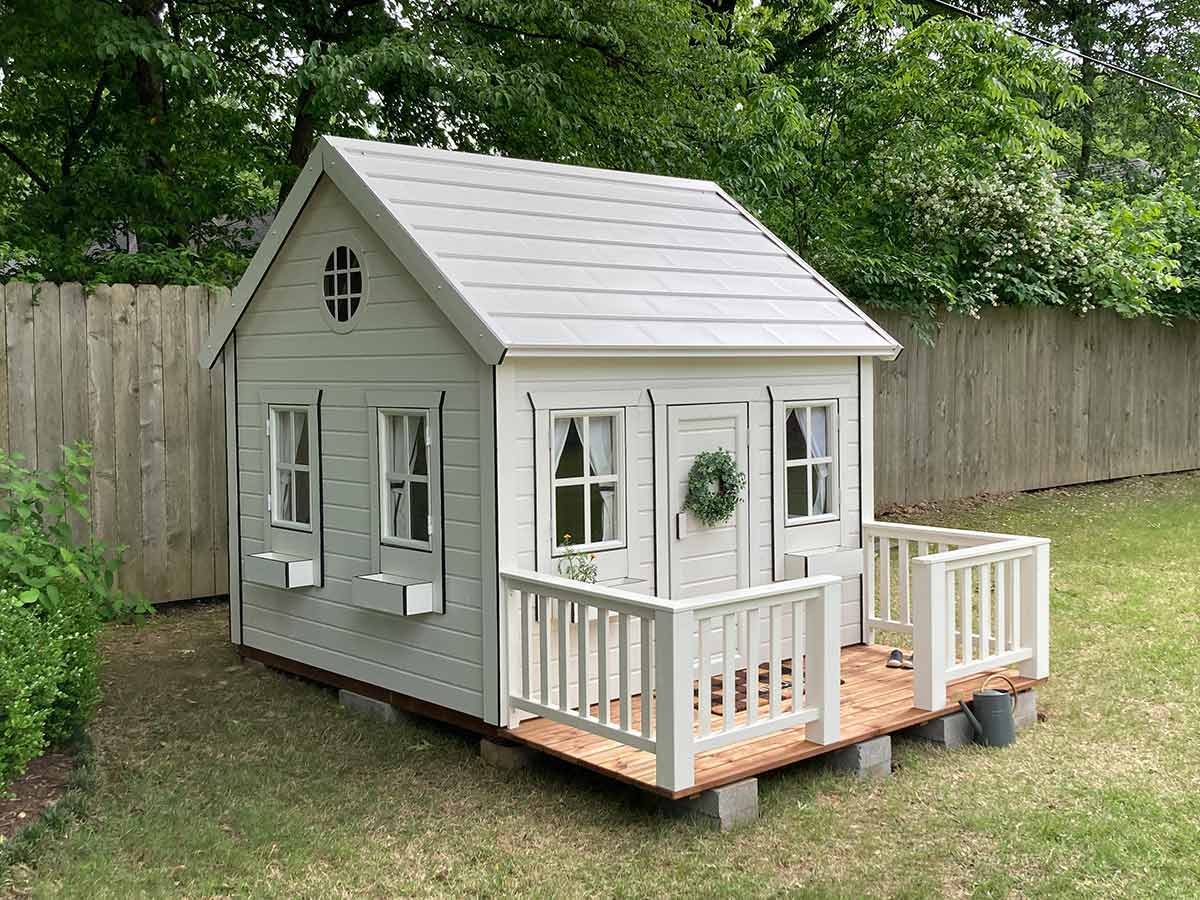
(714, 488)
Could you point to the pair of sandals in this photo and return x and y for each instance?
(897, 660)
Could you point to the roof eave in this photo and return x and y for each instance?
(885, 352)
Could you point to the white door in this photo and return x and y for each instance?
(706, 559)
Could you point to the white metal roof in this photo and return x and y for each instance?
(536, 258)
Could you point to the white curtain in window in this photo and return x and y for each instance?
(415, 435)
(817, 447)
(562, 428)
(600, 441)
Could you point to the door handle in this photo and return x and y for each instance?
(681, 530)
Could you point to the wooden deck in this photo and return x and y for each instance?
(876, 701)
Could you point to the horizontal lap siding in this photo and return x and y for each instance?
(400, 342)
(827, 377)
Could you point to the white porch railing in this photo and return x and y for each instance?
(640, 670)
(978, 601)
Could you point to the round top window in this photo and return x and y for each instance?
(342, 287)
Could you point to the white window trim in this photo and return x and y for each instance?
(330, 319)
(408, 560)
(617, 478)
(385, 477)
(303, 541)
(831, 458)
(277, 465)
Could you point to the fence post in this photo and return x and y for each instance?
(929, 634)
(823, 664)
(674, 752)
(1035, 612)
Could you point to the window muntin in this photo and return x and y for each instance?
(809, 458)
(342, 285)
(290, 467)
(586, 479)
(404, 478)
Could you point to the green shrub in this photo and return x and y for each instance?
(40, 553)
(57, 587)
(32, 672)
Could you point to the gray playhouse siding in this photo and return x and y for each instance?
(402, 341)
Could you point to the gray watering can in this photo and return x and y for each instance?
(992, 717)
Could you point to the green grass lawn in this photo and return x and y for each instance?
(216, 780)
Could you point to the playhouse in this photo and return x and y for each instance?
(453, 380)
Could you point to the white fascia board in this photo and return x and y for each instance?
(896, 347)
(445, 293)
(588, 350)
(297, 197)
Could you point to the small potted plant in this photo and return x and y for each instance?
(575, 564)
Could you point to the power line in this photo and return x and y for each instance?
(1104, 64)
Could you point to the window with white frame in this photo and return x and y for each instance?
(809, 438)
(404, 478)
(291, 485)
(586, 479)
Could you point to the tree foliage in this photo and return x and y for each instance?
(920, 159)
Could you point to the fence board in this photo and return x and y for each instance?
(22, 404)
(177, 360)
(153, 440)
(47, 364)
(102, 413)
(1019, 399)
(1032, 398)
(200, 456)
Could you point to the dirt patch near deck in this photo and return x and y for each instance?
(44, 782)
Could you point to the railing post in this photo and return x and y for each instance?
(823, 664)
(929, 635)
(674, 753)
(1035, 612)
(868, 583)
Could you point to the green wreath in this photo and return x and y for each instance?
(715, 485)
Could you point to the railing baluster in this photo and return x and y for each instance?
(797, 655)
(1014, 593)
(885, 579)
(602, 696)
(1001, 606)
(544, 646)
(869, 544)
(581, 656)
(728, 679)
(525, 644)
(905, 604)
(704, 684)
(951, 593)
(985, 610)
(564, 650)
(965, 617)
(753, 649)
(647, 674)
(775, 663)
(623, 664)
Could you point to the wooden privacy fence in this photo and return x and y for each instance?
(1032, 398)
(117, 367)
(1016, 400)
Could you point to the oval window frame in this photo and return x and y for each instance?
(331, 320)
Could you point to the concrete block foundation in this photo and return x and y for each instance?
(722, 808)
(508, 757)
(368, 706)
(951, 731)
(866, 759)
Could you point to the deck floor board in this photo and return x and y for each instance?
(876, 701)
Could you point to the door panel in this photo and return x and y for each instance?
(705, 560)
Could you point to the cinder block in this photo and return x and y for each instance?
(368, 706)
(725, 807)
(505, 756)
(866, 759)
(1025, 714)
(953, 730)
